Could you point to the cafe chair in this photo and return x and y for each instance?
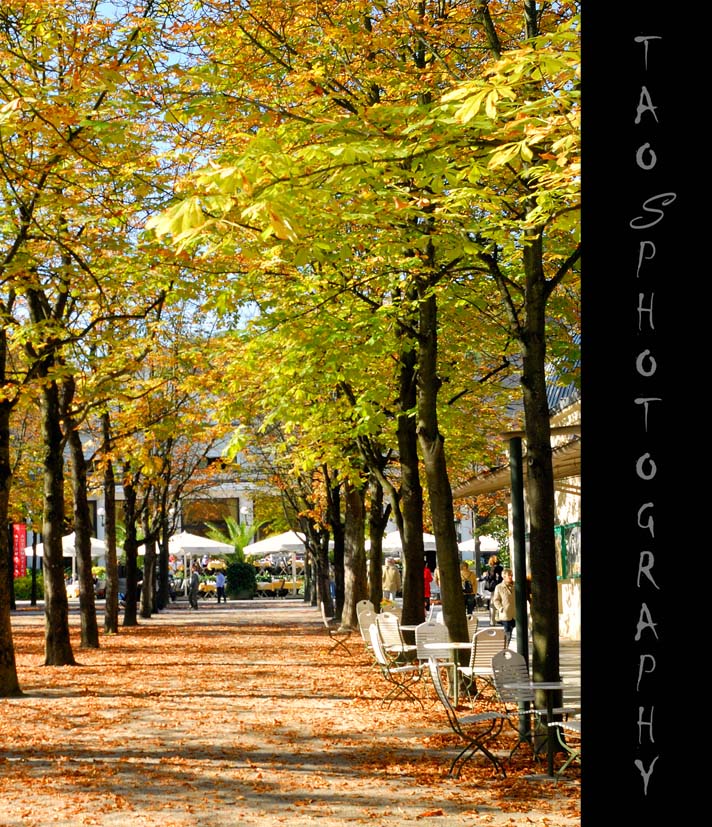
(338, 635)
(475, 730)
(402, 676)
(572, 728)
(388, 625)
(510, 667)
(365, 619)
(432, 632)
(477, 673)
(364, 604)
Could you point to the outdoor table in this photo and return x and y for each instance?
(549, 688)
(457, 646)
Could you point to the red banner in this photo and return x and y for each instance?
(19, 542)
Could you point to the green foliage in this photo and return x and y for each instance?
(23, 587)
(238, 535)
(241, 577)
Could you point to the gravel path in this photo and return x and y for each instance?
(232, 716)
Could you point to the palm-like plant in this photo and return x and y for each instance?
(237, 535)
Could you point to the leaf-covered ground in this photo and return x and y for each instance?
(237, 715)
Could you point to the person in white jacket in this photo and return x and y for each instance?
(504, 605)
(391, 582)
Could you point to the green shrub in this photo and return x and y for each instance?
(241, 578)
(23, 587)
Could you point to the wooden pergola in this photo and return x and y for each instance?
(566, 460)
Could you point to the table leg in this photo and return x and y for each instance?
(549, 734)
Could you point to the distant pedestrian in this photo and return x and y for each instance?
(492, 578)
(220, 586)
(469, 587)
(391, 579)
(194, 587)
(504, 604)
(427, 580)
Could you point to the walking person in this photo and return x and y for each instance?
(503, 600)
(492, 578)
(220, 586)
(427, 580)
(469, 586)
(194, 586)
(391, 579)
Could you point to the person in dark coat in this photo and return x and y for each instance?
(492, 578)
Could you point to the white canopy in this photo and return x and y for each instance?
(287, 541)
(98, 547)
(193, 544)
(487, 544)
(392, 543)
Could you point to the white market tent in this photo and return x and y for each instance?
(286, 541)
(271, 549)
(392, 546)
(98, 549)
(188, 544)
(488, 545)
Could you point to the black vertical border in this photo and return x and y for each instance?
(635, 309)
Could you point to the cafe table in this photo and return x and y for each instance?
(549, 688)
(456, 646)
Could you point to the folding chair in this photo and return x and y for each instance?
(338, 635)
(388, 625)
(400, 676)
(572, 726)
(476, 730)
(486, 643)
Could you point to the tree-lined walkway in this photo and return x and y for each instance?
(236, 715)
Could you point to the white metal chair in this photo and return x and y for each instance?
(476, 730)
(572, 727)
(401, 676)
(364, 604)
(510, 667)
(473, 623)
(388, 625)
(431, 632)
(486, 643)
(366, 618)
(338, 635)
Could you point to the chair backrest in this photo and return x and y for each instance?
(486, 643)
(440, 691)
(432, 632)
(436, 613)
(366, 618)
(326, 620)
(364, 604)
(509, 666)
(388, 625)
(472, 624)
(377, 647)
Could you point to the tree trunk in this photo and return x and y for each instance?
(9, 683)
(111, 607)
(439, 489)
(333, 494)
(58, 647)
(82, 533)
(148, 587)
(377, 522)
(131, 552)
(409, 516)
(356, 582)
(540, 484)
